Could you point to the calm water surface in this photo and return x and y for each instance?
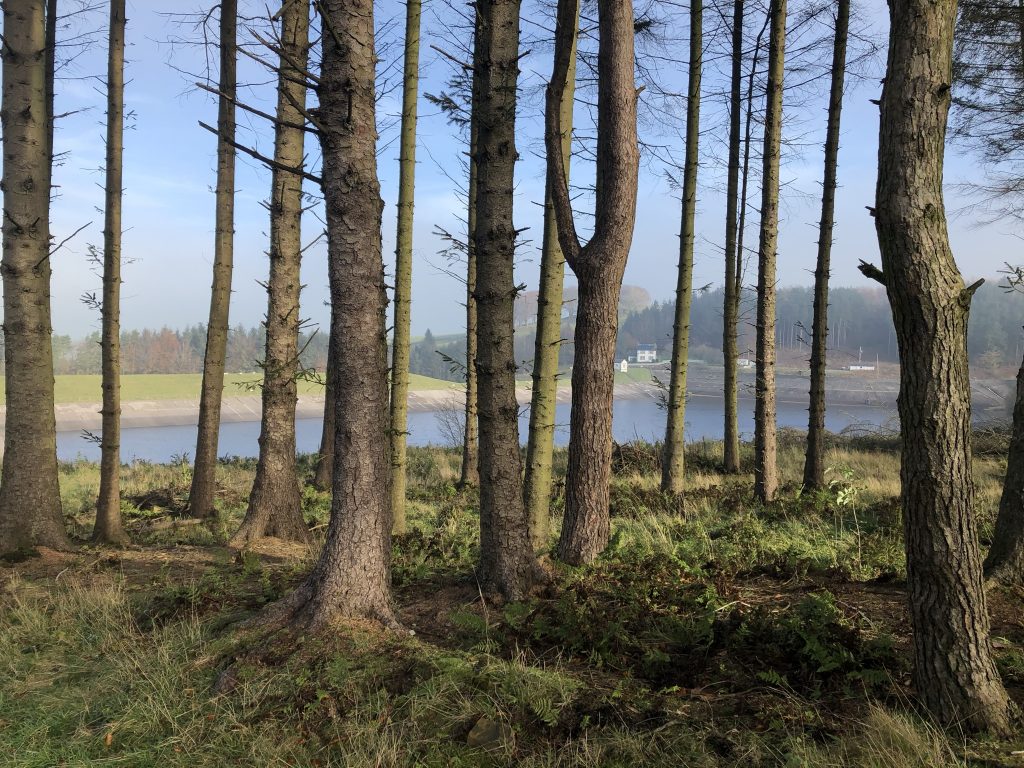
(634, 419)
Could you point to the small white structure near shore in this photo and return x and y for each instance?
(647, 353)
(624, 366)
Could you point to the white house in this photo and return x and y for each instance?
(647, 353)
(624, 366)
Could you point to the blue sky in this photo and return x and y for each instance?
(169, 174)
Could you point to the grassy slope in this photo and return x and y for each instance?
(739, 636)
(184, 386)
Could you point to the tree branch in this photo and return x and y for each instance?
(871, 271)
(263, 158)
(253, 110)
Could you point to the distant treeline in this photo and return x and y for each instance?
(177, 351)
(860, 324)
(859, 319)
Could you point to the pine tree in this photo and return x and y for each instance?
(548, 341)
(598, 265)
(403, 264)
(954, 671)
(673, 478)
(275, 505)
(766, 480)
(108, 527)
(30, 505)
(204, 474)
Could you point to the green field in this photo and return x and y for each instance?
(634, 375)
(185, 386)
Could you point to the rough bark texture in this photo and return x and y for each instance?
(30, 506)
(204, 474)
(673, 476)
(470, 435)
(599, 265)
(506, 557)
(540, 445)
(1005, 561)
(953, 667)
(108, 528)
(814, 464)
(766, 480)
(325, 461)
(275, 505)
(352, 578)
(51, 73)
(403, 263)
(733, 257)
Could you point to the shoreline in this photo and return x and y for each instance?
(141, 414)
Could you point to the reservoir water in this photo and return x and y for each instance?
(638, 419)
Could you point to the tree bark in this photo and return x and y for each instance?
(814, 464)
(325, 456)
(540, 446)
(108, 528)
(733, 257)
(352, 578)
(204, 474)
(403, 264)
(599, 265)
(275, 504)
(52, 18)
(748, 133)
(1005, 561)
(766, 480)
(673, 477)
(30, 506)
(470, 474)
(954, 671)
(506, 557)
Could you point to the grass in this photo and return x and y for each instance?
(633, 375)
(85, 388)
(738, 635)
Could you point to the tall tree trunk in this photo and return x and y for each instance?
(275, 504)
(599, 265)
(540, 446)
(506, 557)
(352, 578)
(204, 475)
(814, 465)
(1005, 561)
(30, 506)
(470, 435)
(733, 258)
(954, 672)
(403, 264)
(52, 19)
(748, 133)
(766, 479)
(108, 528)
(673, 477)
(325, 456)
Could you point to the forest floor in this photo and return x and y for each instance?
(738, 635)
